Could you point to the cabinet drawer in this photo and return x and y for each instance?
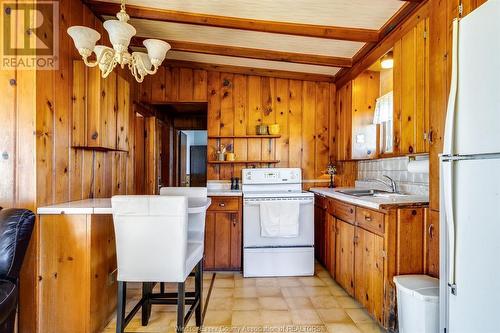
(370, 220)
(225, 204)
(320, 201)
(345, 212)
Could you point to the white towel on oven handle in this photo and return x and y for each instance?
(279, 218)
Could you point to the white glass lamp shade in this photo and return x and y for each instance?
(119, 33)
(157, 50)
(84, 38)
(144, 58)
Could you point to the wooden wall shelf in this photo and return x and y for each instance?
(251, 136)
(244, 162)
(99, 148)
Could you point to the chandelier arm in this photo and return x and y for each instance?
(99, 59)
(109, 69)
(143, 67)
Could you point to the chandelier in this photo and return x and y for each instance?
(120, 33)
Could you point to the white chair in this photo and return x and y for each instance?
(152, 246)
(196, 224)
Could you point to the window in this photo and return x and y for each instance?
(384, 117)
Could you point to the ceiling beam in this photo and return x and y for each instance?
(243, 52)
(297, 29)
(249, 70)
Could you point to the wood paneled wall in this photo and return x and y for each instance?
(64, 173)
(237, 103)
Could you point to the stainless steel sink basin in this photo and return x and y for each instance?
(362, 192)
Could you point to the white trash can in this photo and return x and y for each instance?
(418, 303)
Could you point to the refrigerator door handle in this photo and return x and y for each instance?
(452, 98)
(450, 221)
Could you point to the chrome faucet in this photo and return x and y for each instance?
(391, 183)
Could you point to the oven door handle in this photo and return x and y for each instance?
(258, 202)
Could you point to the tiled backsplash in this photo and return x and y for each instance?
(397, 169)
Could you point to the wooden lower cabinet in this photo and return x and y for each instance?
(330, 244)
(369, 271)
(365, 248)
(344, 265)
(76, 273)
(223, 234)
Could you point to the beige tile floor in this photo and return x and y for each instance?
(288, 304)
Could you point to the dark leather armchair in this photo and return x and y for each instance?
(16, 226)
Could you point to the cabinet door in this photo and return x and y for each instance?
(432, 244)
(411, 91)
(330, 244)
(236, 240)
(368, 271)
(209, 256)
(365, 91)
(223, 241)
(344, 269)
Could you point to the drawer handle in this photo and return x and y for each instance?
(368, 218)
(351, 210)
(222, 204)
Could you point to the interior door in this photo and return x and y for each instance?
(198, 166)
(182, 180)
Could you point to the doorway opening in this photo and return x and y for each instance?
(193, 158)
(183, 148)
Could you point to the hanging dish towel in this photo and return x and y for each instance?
(279, 219)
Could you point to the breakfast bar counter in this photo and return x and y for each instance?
(77, 264)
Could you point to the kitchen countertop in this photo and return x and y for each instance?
(373, 202)
(224, 193)
(103, 206)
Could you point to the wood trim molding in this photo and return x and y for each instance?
(243, 52)
(307, 30)
(407, 18)
(250, 71)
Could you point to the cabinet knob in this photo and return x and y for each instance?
(94, 135)
(368, 218)
(222, 204)
(431, 231)
(351, 210)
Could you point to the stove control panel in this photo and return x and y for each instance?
(272, 176)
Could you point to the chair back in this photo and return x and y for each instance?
(196, 221)
(16, 226)
(190, 192)
(151, 237)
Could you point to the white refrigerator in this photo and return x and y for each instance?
(470, 179)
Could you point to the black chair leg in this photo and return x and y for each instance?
(120, 308)
(147, 288)
(180, 307)
(199, 293)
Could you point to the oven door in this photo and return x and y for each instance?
(251, 224)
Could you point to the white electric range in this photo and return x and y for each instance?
(276, 256)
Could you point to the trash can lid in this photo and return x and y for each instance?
(423, 287)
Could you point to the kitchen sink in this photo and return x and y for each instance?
(362, 192)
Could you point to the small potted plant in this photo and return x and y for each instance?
(220, 153)
(331, 170)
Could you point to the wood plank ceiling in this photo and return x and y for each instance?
(304, 36)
